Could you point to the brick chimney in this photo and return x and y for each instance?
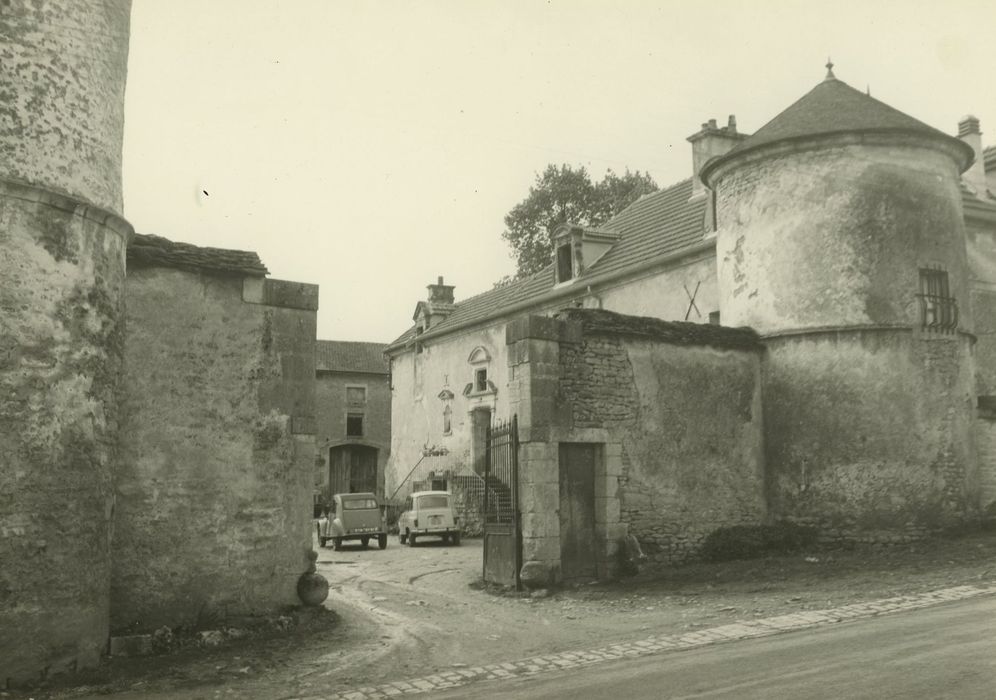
(709, 142)
(440, 301)
(975, 176)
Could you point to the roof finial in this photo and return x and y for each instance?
(830, 75)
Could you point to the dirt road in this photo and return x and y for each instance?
(405, 612)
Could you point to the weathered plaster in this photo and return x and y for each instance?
(870, 431)
(215, 484)
(61, 336)
(417, 411)
(667, 295)
(835, 237)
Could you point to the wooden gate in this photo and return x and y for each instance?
(500, 505)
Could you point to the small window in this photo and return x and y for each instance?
(565, 267)
(938, 309)
(714, 318)
(356, 395)
(447, 420)
(354, 425)
(481, 379)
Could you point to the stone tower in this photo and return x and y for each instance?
(62, 253)
(841, 241)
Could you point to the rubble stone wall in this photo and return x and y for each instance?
(215, 485)
(689, 422)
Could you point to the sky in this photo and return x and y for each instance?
(372, 146)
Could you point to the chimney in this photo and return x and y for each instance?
(440, 293)
(975, 176)
(440, 302)
(709, 142)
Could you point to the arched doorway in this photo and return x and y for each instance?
(352, 469)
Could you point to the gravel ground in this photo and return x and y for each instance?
(405, 612)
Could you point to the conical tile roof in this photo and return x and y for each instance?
(834, 107)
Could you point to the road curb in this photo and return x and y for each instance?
(657, 644)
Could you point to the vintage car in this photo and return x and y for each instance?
(354, 516)
(429, 513)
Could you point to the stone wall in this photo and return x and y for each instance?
(61, 326)
(214, 490)
(836, 237)
(981, 248)
(688, 418)
(869, 434)
(62, 92)
(674, 412)
(330, 418)
(61, 337)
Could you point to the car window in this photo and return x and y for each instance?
(434, 502)
(359, 504)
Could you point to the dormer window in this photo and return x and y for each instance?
(481, 379)
(577, 249)
(565, 266)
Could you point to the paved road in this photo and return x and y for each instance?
(948, 651)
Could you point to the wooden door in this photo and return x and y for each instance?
(338, 471)
(363, 469)
(577, 510)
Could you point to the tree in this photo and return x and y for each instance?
(566, 194)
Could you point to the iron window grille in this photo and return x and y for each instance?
(938, 309)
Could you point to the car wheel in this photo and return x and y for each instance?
(323, 540)
(337, 543)
(411, 539)
(446, 540)
(365, 541)
(382, 541)
(456, 539)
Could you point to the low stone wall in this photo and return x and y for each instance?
(684, 402)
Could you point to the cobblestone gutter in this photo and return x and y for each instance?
(656, 644)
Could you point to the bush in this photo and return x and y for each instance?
(753, 541)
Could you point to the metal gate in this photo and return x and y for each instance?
(500, 505)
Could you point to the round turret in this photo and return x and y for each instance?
(841, 241)
(62, 252)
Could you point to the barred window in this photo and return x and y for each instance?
(938, 309)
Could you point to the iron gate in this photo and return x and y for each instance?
(500, 505)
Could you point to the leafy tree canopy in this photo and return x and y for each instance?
(562, 194)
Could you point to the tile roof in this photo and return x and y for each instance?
(657, 224)
(146, 250)
(834, 107)
(348, 356)
(597, 321)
